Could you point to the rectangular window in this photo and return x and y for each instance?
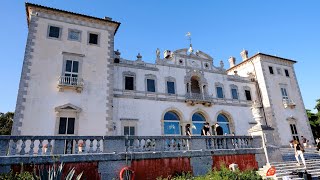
(93, 38)
(286, 72)
(234, 93)
(270, 70)
(71, 72)
(219, 92)
(151, 85)
(129, 83)
(129, 130)
(248, 95)
(279, 71)
(170, 87)
(294, 132)
(74, 35)
(284, 93)
(54, 32)
(66, 125)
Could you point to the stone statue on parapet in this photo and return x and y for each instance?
(221, 64)
(158, 53)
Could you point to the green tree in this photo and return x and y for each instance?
(6, 120)
(317, 107)
(314, 120)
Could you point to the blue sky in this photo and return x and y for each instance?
(289, 29)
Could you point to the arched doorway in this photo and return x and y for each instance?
(198, 121)
(171, 123)
(223, 121)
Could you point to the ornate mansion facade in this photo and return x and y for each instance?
(73, 82)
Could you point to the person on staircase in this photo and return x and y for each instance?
(318, 144)
(304, 141)
(298, 151)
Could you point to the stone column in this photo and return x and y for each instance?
(4, 148)
(266, 133)
(202, 91)
(114, 144)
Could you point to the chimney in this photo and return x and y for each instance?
(108, 18)
(232, 61)
(244, 55)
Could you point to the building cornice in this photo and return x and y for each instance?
(257, 55)
(82, 17)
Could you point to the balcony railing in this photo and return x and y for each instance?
(197, 98)
(288, 103)
(70, 82)
(49, 145)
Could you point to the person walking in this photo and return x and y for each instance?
(318, 144)
(298, 151)
(218, 129)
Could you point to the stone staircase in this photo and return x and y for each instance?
(288, 165)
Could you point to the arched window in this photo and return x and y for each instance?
(195, 87)
(198, 121)
(171, 123)
(224, 123)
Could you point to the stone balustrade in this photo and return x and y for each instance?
(49, 145)
(107, 155)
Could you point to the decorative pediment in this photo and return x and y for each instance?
(68, 107)
(291, 119)
(197, 54)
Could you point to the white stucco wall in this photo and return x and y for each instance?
(277, 115)
(148, 114)
(47, 64)
(281, 114)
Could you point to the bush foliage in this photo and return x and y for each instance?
(222, 174)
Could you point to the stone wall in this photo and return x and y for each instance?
(162, 158)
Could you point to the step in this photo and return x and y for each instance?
(295, 177)
(316, 170)
(294, 162)
(286, 168)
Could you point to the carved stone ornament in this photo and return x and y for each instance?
(158, 53)
(256, 112)
(221, 64)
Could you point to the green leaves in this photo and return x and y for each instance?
(6, 121)
(56, 173)
(314, 120)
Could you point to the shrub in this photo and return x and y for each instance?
(223, 174)
(17, 176)
(52, 173)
